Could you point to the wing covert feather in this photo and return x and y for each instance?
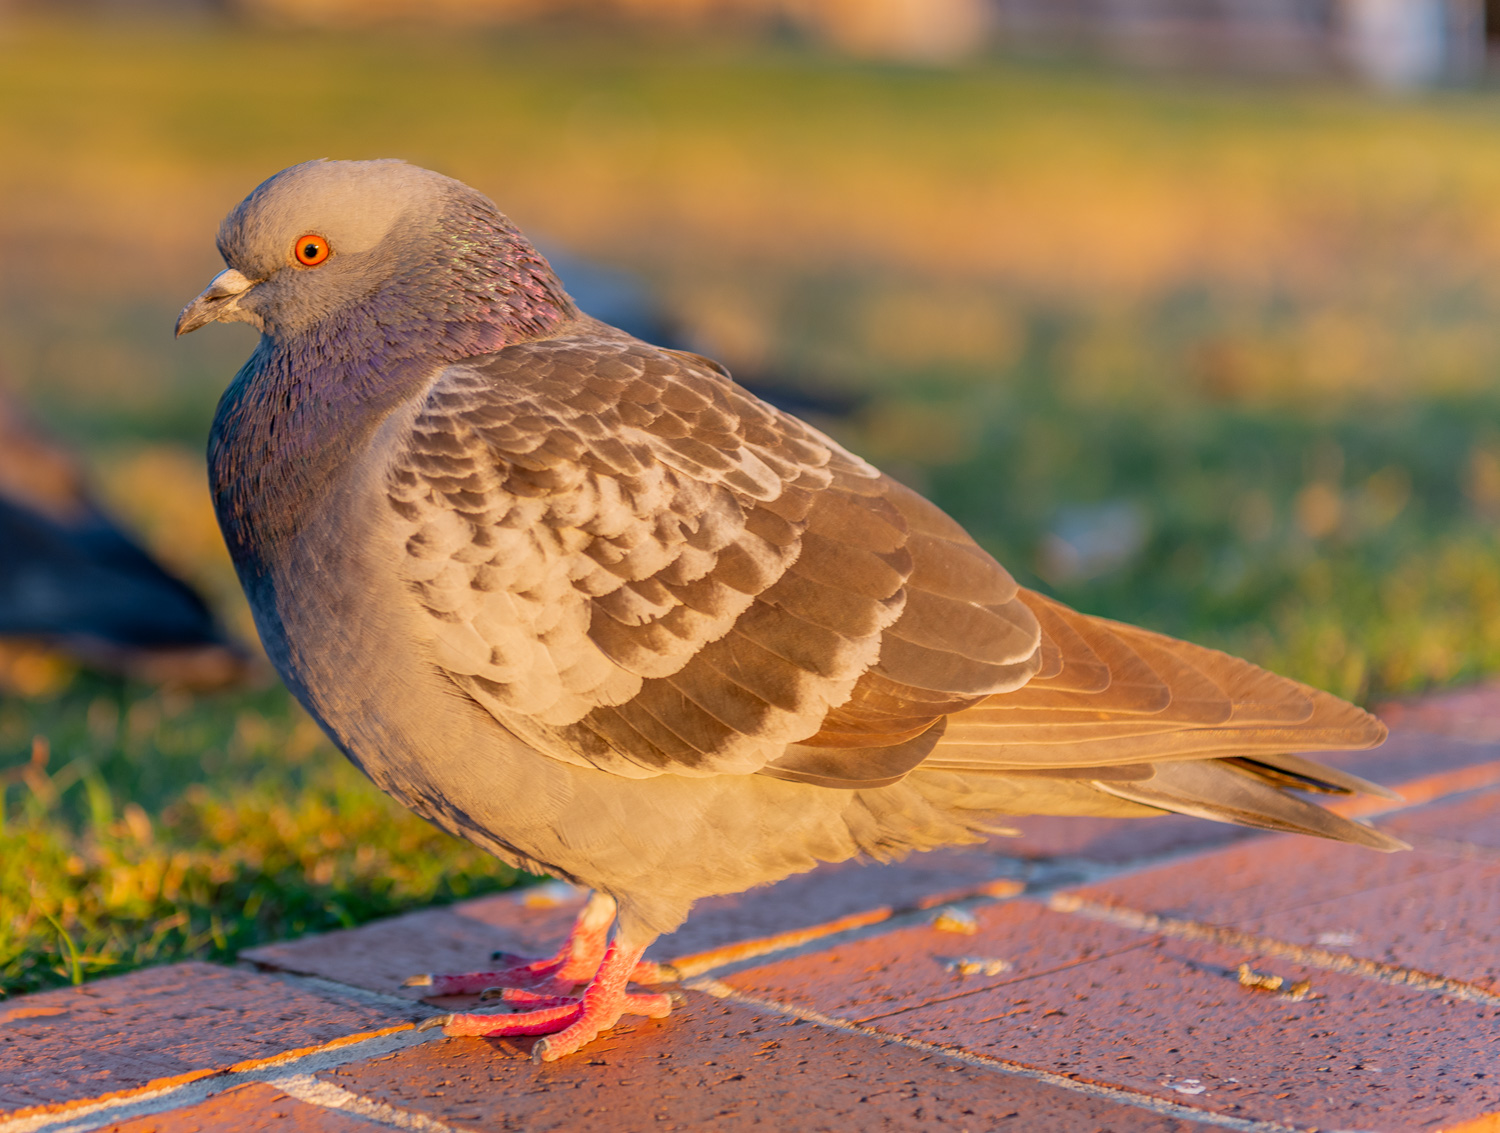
(633, 564)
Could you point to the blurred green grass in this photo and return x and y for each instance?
(160, 827)
(1256, 322)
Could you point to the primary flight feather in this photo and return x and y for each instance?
(589, 604)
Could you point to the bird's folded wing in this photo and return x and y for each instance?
(1200, 704)
(633, 564)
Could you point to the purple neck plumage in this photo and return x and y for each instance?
(304, 401)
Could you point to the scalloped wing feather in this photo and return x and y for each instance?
(633, 564)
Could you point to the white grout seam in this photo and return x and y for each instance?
(293, 1068)
(315, 1091)
(346, 992)
(1313, 957)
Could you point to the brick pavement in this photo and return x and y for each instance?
(1090, 975)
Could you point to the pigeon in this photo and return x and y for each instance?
(71, 579)
(587, 603)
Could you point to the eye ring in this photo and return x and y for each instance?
(310, 250)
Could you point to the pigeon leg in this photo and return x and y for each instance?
(575, 962)
(572, 1023)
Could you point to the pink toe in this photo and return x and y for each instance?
(651, 1006)
(540, 1022)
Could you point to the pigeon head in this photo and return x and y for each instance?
(326, 250)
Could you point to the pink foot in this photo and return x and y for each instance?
(578, 968)
(575, 962)
(570, 1023)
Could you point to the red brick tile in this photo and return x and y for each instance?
(1471, 819)
(1116, 840)
(251, 1108)
(719, 1066)
(917, 965)
(1268, 875)
(1445, 921)
(1445, 924)
(163, 1025)
(1470, 712)
(1178, 1012)
(1431, 908)
(1167, 1017)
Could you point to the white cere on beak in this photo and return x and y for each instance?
(218, 302)
(228, 282)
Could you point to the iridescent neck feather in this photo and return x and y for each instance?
(306, 400)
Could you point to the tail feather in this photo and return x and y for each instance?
(1309, 775)
(1218, 790)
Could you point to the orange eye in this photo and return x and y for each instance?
(310, 250)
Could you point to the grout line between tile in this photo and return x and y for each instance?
(695, 964)
(1119, 1094)
(315, 1091)
(1312, 956)
(352, 991)
(82, 1116)
(1016, 981)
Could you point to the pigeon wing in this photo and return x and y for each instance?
(634, 564)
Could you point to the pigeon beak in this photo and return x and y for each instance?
(218, 303)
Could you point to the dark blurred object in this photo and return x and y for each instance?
(625, 300)
(71, 580)
(617, 297)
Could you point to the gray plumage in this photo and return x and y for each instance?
(591, 605)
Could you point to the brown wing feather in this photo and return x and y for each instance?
(964, 631)
(1215, 749)
(1069, 664)
(632, 563)
(1217, 704)
(963, 634)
